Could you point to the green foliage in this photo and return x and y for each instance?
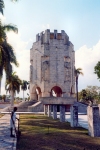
(1, 6)
(91, 93)
(13, 83)
(97, 69)
(78, 71)
(24, 85)
(7, 56)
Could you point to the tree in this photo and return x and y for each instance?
(90, 94)
(13, 83)
(82, 94)
(97, 69)
(4, 97)
(24, 87)
(4, 29)
(2, 6)
(78, 71)
(7, 56)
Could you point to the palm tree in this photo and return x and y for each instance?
(13, 83)
(24, 87)
(2, 6)
(7, 56)
(78, 71)
(4, 29)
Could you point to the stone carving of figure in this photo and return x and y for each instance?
(45, 65)
(45, 68)
(67, 64)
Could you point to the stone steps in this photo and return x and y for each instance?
(37, 107)
(23, 106)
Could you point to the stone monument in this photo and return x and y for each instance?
(52, 77)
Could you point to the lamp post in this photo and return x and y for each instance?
(77, 75)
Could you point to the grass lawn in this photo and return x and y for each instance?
(60, 136)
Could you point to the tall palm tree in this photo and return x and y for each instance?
(78, 72)
(13, 83)
(24, 87)
(7, 56)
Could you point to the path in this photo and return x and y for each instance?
(6, 142)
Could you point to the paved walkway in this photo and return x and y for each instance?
(6, 142)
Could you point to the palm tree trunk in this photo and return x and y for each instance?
(23, 96)
(12, 98)
(0, 87)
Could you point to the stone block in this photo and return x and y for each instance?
(74, 116)
(93, 121)
(62, 113)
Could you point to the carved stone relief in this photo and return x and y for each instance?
(31, 73)
(45, 68)
(67, 67)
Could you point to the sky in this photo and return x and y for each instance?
(79, 18)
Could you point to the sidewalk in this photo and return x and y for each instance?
(6, 142)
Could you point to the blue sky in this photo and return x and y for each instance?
(79, 18)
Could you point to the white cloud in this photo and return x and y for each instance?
(87, 58)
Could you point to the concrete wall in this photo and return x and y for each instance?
(82, 108)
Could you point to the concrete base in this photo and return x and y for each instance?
(45, 109)
(93, 121)
(49, 110)
(62, 113)
(54, 111)
(74, 116)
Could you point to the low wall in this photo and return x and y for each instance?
(82, 108)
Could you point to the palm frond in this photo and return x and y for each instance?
(1, 6)
(10, 27)
(13, 83)
(78, 71)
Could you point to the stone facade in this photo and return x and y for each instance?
(52, 65)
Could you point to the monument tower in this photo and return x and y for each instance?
(52, 66)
